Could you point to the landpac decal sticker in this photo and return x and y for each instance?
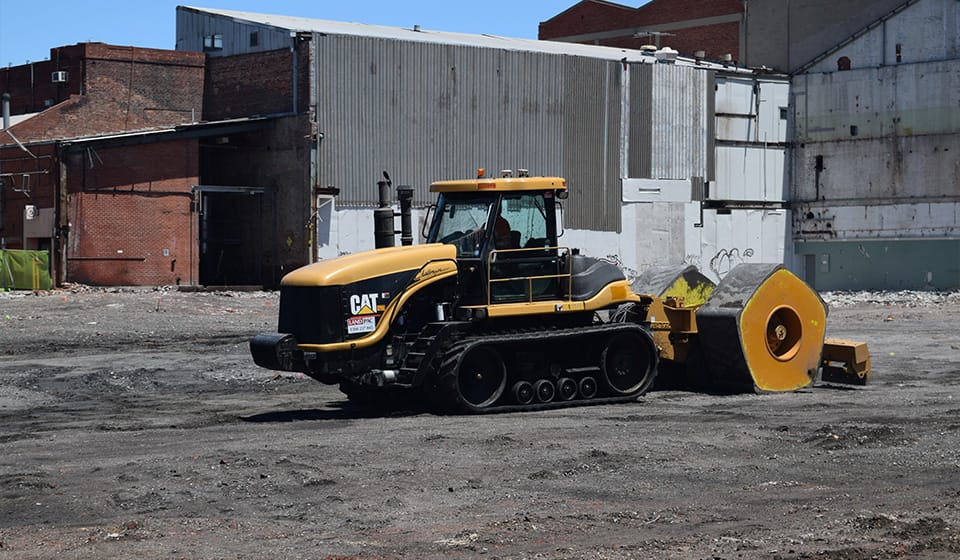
(364, 312)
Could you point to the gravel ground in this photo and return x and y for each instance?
(134, 425)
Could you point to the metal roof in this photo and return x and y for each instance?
(191, 130)
(328, 27)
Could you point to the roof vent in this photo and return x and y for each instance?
(59, 77)
(666, 54)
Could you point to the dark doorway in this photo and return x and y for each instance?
(810, 270)
(231, 235)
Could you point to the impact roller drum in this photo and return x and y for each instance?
(761, 330)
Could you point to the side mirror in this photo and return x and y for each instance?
(427, 220)
(560, 219)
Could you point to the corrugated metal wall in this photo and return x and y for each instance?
(425, 112)
(592, 139)
(670, 122)
(193, 26)
(641, 115)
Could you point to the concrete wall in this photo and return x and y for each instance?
(877, 155)
(924, 31)
(786, 34)
(883, 264)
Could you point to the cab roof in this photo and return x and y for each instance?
(501, 184)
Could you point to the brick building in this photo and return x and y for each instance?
(712, 26)
(101, 165)
(111, 213)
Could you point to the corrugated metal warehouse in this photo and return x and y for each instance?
(641, 142)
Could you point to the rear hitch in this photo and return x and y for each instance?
(845, 361)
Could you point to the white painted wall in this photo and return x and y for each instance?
(926, 31)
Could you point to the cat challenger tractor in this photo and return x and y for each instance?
(493, 314)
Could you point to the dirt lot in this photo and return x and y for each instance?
(134, 425)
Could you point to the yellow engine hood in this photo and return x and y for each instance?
(371, 264)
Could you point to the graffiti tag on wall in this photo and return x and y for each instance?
(725, 259)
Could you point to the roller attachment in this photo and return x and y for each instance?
(683, 282)
(761, 330)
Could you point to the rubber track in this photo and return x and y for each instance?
(446, 395)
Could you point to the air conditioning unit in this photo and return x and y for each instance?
(59, 77)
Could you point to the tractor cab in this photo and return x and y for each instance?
(505, 234)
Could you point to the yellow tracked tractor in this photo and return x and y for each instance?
(493, 314)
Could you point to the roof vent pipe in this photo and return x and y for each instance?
(6, 111)
(667, 55)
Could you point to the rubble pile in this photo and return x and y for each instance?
(903, 298)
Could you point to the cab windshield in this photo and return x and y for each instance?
(520, 221)
(462, 223)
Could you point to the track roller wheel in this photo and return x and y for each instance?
(566, 389)
(628, 363)
(544, 390)
(523, 392)
(588, 387)
(481, 377)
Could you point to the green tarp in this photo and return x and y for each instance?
(25, 270)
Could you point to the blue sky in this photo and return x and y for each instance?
(29, 30)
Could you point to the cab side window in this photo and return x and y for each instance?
(527, 219)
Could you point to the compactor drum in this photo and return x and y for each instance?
(492, 314)
(762, 329)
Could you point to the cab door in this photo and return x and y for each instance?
(525, 264)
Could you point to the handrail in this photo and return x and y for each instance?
(562, 254)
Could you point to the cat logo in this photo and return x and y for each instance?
(363, 304)
(363, 311)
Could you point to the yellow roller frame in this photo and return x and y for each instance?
(782, 329)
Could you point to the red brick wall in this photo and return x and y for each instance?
(125, 210)
(111, 89)
(132, 199)
(256, 83)
(30, 87)
(591, 16)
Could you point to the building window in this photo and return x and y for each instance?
(254, 39)
(213, 42)
(843, 63)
